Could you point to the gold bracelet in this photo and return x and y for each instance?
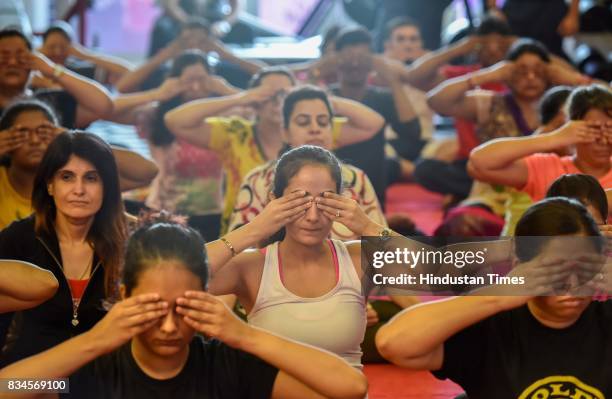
(228, 245)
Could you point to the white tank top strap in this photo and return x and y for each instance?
(348, 274)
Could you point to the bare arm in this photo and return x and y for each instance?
(415, 337)
(304, 371)
(250, 66)
(173, 9)
(125, 104)
(449, 98)
(391, 77)
(90, 96)
(132, 80)
(134, 170)
(189, 120)
(500, 161)
(24, 285)
(126, 319)
(424, 73)
(363, 122)
(114, 65)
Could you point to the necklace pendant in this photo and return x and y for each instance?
(75, 322)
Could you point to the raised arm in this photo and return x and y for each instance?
(131, 81)
(425, 74)
(126, 104)
(24, 285)
(189, 120)
(113, 65)
(274, 216)
(415, 337)
(390, 76)
(250, 66)
(125, 320)
(450, 97)
(90, 96)
(500, 161)
(304, 371)
(134, 170)
(363, 122)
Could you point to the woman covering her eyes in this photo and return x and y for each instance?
(77, 232)
(146, 347)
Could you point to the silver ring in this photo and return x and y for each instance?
(337, 214)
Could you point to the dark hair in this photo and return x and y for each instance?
(16, 108)
(196, 23)
(163, 239)
(555, 216)
(291, 162)
(61, 27)
(398, 22)
(306, 92)
(267, 71)
(160, 134)
(353, 36)
(14, 32)
(584, 99)
(108, 231)
(491, 24)
(329, 37)
(584, 188)
(527, 46)
(552, 102)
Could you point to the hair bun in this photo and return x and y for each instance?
(151, 217)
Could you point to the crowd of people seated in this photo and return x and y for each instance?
(239, 270)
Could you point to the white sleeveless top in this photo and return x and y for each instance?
(335, 321)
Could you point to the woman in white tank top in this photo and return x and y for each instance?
(303, 285)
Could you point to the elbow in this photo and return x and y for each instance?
(106, 108)
(395, 346)
(46, 287)
(50, 287)
(384, 343)
(437, 103)
(379, 123)
(473, 169)
(355, 388)
(150, 172)
(171, 122)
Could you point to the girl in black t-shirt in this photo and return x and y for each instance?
(534, 342)
(145, 345)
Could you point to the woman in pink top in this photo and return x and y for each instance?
(529, 164)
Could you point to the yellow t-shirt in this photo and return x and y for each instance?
(234, 141)
(12, 205)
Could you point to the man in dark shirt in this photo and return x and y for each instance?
(355, 63)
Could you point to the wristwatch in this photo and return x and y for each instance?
(384, 235)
